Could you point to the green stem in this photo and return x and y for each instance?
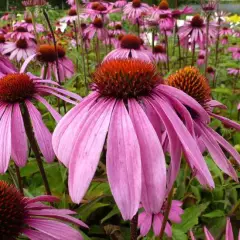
(20, 186)
(34, 146)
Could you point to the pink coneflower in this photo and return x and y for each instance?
(161, 9)
(33, 3)
(208, 5)
(225, 31)
(166, 24)
(127, 103)
(236, 53)
(201, 59)
(192, 82)
(176, 13)
(27, 24)
(72, 16)
(196, 30)
(96, 28)
(224, 40)
(120, 3)
(228, 233)
(234, 71)
(146, 220)
(134, 10)
(20, 33)
(19, 50)
(99, 10)
(117, 28)
(28, 217)
(6, 16)
(6, 66)
(210, 72)
(71, 2)
(237, 33)
(46, 54)
(159, 53)
(17, 89)
(130, 47)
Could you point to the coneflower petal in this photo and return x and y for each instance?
(124, 162)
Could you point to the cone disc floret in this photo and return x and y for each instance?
(192, 82)
(159, 49)
(11, 212)
(16, 87)
(163, 5)
(22, 43)
(130, 41)
(136, 3)
(125, 78)
(197, 21)
(21, 29)
(47, 53)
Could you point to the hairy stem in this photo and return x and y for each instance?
(20, 185)
(34, 146)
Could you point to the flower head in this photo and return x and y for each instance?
(128, 101)
(21, 216)
(33, 3)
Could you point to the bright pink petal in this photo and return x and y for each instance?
(152, 159)
(208, 235)
(19, 138)
(87, 149)
(5, 139)
(124, 162)
(36, 235)
(157, 223)
(229, 230)
(41, 132)
(54, 229)
(69, 126)
(146, 223)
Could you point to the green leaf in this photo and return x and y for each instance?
(214, 214)
(178, 234)
(190, 217)
(113, 212)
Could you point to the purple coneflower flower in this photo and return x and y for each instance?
(176, 13)
(20, 33)
(130, 47)
(201, 59)
(161, 9)
(234, 71)
(192, 82)
(126, 106)
(146, 220)
(17, 89)
(134, 10)
(33, 3)
(224, 40)
(27, 24)
(19, 50)
(120, 3)
(6, 16)
(210, 72)
(71, 2)
(72, 16)
(236, 53)
(196, 30)
(117, 28)
(208, 5)
(225, 31)
(159, 53)
(96, 28)
(28, 217)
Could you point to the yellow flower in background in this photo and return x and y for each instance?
(234, 19)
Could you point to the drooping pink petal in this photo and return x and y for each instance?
(41, 132)
(229, 230)
(191, 235)
(5, 138)
(54, 229)
(189, 144)
(124, 162)
(36, 235)
(26, 62)
(217, 153)
(152, 159)
(226, 121)
(19, 138)
(208, 235)
(146, 223)
(66, 130)
(185, 99)
(54, 113)
(87, 149)
(157, 223)
(57, 214)
(43, 198)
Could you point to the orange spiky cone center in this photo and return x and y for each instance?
(192, 82)
(197, 21)
(125, 78)
(46, 53)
